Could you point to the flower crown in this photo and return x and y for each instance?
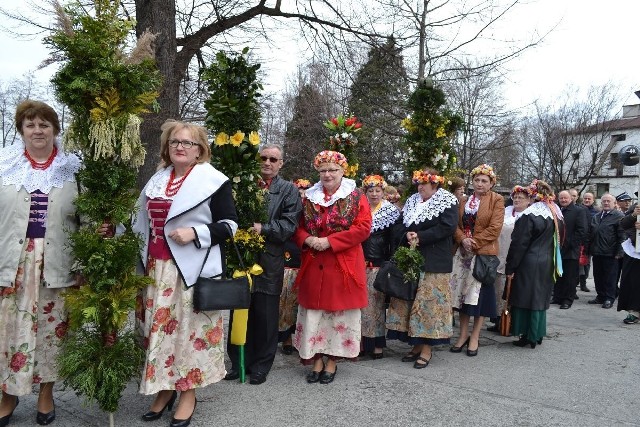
(484, 169)
(371, 181)
(421, 177)
(302, 183)
(533, 190)
(520, 189)
(328, 156)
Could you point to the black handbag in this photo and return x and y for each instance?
(222, 294)
(485, 269)
(390, 281)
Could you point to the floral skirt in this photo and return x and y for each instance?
(373, 315)
(333, 333)
(184, 348)
(428, 317)
(465, 289)
(32, 322)
(288, 301)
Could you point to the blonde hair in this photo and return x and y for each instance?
(198, 133)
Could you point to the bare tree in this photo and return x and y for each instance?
(11, 94)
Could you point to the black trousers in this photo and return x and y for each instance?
(605, 275)
(262, 335)
(565, 288)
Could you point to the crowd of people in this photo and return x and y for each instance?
(325, 245)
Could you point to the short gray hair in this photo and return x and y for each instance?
(274, 145)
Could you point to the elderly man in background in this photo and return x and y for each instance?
(575, 231)
(284, 208)
(588, 203)
(605, 246)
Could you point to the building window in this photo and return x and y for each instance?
(619, 137)
(615, 163)
(601, 190)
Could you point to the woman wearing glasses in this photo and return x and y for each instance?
(331, 282)
(184, 213)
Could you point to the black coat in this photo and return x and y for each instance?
(284, 211)
(530, 259)
(606, 235)
(575, 231)
(378, 246)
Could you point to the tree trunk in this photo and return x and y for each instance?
(158, 17)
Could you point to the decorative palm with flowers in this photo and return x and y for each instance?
(233, 115)
(429, 130)
(343, 139)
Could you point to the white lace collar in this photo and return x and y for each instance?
(385, 216)
(509, 217)
(316, 195)
(542, 209)
(158, 184)
(416, 211)
(15, 169)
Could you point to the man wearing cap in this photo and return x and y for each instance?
(605, 246)
(624, 202)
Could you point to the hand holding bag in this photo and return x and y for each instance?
(505, 317)
(390, 281)
(223, 293)
(485, 268)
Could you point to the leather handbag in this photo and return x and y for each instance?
(485, 269)
(390, 281)
(583, 259)
(222, 293)
(505, 316)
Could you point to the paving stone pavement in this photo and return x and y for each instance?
(585, 373)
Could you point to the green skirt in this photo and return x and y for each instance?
(529, 323)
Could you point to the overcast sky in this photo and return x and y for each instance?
(594, 42)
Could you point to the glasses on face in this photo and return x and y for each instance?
(331, 171)
(185, 144)
(271, 159)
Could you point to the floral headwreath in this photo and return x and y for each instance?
(328, 156)
(302, 183)
(533, 190)
(371, 181)
(484, 169)
(421, 177)
(520, 189)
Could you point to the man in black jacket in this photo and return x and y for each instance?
(284, 209)
(575, 231)
(605, 246)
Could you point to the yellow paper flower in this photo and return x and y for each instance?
(222, 139)
(237, 139)
(440, 132)
(254, 138)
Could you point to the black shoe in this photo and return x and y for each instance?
(564, 306)
(183, 423)
(46, 419)
(314, 376)
(631, 319)
(472, 353)
(377, 356)
(584, 288)
(455, 349)
(410, 357)
(556, 301)
(607, 304)
(232, 375)
(258, 378)
(152, 416)
(4, 421)
(287, 349)
(575, 297)
(417, 365)
(327, 377)
(595, 301)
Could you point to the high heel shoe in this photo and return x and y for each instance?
(183, 423)
(152, 416)
(455, 349)
(46, 419)
(4, 421)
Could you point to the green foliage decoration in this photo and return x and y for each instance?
(106, 88)
(233, 115)
(410, 261)
(430, 128)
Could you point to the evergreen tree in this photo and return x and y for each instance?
(378, 100)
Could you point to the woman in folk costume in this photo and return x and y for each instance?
(534, 262)
(479, 225)
(430, 219)
(332, 283)
(184, 213)
(377, 248)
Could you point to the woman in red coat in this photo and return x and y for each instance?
(331, 282)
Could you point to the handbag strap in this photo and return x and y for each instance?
(508, 288)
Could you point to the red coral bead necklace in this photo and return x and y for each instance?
(173, 185)
(41, 165)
